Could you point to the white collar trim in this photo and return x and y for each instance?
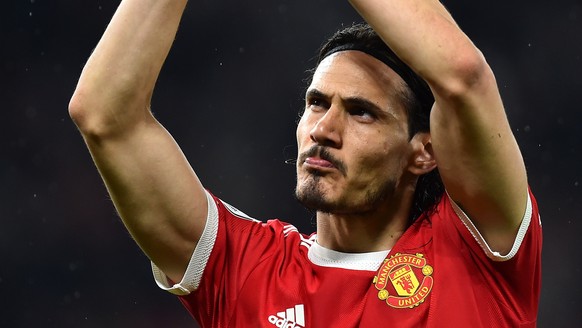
(325, 257)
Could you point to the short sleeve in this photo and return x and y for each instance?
(527, 219)
(232, 245)
(199, 258)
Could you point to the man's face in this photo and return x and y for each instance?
(353, 143)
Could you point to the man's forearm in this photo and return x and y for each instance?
(424, 35)
(119, 77)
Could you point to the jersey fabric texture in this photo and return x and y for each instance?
(440, 273)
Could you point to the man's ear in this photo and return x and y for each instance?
(422, 158)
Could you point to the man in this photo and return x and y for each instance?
(391, 247)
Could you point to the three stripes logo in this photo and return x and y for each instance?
(291, 318)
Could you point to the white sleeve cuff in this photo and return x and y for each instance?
(496, 256)
(199, 259)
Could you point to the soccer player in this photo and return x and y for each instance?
(396, 244)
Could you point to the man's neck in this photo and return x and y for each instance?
(358, 233)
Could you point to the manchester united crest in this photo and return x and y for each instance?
(402, 271)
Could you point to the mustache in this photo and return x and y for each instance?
(323, 153)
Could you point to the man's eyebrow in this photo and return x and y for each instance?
(364, 103)
(354, 101)
(314, 93)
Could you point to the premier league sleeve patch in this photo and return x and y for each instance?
(236, 212)
(404, 280)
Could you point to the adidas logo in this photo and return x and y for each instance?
(292, 318)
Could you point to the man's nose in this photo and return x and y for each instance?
(328, 129)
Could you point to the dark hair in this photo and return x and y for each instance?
(418, 101)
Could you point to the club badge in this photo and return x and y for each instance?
(402, 271)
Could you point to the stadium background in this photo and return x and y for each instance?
(230, 93)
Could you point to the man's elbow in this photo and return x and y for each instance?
(467, 73)
(98, 115)
(86, 115)
(78, 110)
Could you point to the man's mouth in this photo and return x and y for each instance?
(318, 157)
(316, 161)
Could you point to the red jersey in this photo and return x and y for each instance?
(440, 273)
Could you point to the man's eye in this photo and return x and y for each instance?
(315, 103)
(363, 114)
(360, 112)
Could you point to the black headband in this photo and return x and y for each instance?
(418, 86)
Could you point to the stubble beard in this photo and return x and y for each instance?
(311, 195)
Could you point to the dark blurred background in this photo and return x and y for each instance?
(230, 93)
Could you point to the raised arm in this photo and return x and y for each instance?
(154, 189)
(476, 152)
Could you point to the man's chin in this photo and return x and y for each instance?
(315, 203)
(313, 198)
